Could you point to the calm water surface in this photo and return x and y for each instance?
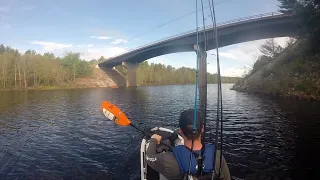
(62, 134)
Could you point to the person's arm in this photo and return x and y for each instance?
(165, 163)
(224, 173)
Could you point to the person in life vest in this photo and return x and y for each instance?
(175, 165)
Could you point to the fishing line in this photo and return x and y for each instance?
(219, 99)
(196, 90)
(174, 20)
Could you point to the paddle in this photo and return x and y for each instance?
(113, 113)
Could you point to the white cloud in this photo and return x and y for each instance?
(228, 55)
(242, 52)
(189, 60)
(51, 46)
(87, 51)
(119, 41)
(235, 60)
(100, 37)
(247, 51)
(282, 41)
(234, 71)
(84, 45)
(106, 51)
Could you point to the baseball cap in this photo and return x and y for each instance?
(186, 123)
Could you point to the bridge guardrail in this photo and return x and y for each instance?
(259, 16)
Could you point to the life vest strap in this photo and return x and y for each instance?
(200, 164)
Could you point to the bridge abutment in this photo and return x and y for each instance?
(131, 73)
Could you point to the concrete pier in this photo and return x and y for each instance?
(131, 73)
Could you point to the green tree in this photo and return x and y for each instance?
(49, 55)
(101, 59)
(261, 62)
(270, 48)
(70, 61)
(93, 62)
(32, 69)
(308, 12)
(2, 49)
(160, 74)
(289, 6)
(32, 52)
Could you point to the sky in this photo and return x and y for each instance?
(111, 27)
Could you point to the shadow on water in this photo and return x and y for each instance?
(303, 118)
(63, 134)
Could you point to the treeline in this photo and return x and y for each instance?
(160, 74)
(33, 70)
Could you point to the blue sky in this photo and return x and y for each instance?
(110, 27)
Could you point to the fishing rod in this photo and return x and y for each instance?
(219, 99)
(113, 113)
(196, 91)
(203, 95)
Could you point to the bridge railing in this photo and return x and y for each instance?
(259, 16)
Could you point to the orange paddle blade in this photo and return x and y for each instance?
(114, 114)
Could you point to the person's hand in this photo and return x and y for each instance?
(157, 137)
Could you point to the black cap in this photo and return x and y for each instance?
(186, 123)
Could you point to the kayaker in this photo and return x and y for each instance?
(175, 165)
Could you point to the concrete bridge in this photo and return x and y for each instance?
(257, 27)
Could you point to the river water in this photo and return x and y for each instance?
(62, 134)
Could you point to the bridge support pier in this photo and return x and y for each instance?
(131, 73)
(202, 77)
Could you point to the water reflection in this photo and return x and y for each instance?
(62, 133)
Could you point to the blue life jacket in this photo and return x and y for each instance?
(182, 155)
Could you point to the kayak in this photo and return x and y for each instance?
(168, 137)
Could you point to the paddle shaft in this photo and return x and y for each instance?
(113, 113)
(148, 134)
(140, 130)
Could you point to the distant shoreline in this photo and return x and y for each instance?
(47, 88)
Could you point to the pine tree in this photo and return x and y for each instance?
(270, 48)
(288, 6)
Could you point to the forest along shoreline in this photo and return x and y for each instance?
(293, 71)
(33, 71)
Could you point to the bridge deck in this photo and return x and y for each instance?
(231, 32)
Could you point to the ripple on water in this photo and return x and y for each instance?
(63, 134)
